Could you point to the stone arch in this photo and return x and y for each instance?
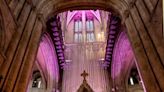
(36, 74)
(131, 19)
(122, 57)
(47, 60)
(50, 7)
(138, 88)
(41, 71)
(121, 7)
(128, 72)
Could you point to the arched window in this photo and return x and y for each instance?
(134, 77)
(78, 31)
(37, 83)
(37, 80)
(90, 37)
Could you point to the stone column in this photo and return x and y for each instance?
(142, 61)
(13, 44)
(150, 50)
(150, 25)
(19, 54)
(29, 59)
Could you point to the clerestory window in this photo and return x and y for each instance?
(90, 37)
(78, 31)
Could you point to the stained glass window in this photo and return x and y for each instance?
(78, 31)
(90, 31)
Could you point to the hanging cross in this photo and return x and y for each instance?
(84, 74)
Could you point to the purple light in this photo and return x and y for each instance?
(56, 34)
(112, 36)
(111, 41)
(77, 15)
(112, 32)
(114, 22)
(122, 53)
(110, 45)
(109, 49)
(58, 43)
(59, 51)
(112, 27)
(56, 38)
(54, 29)
(53, 24)
(47, 61)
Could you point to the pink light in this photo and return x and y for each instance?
(122, 53)
(77, 15)
(46, 58)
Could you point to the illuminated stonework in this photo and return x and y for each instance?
(87, 53)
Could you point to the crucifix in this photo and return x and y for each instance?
(84, 75)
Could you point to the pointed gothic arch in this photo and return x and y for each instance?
(121, 8)
(47, 60)
(145, 41)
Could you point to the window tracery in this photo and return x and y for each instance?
(90, 30)
(78, 31)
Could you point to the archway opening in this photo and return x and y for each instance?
(85, 40)
(135, 84)
(125, 74)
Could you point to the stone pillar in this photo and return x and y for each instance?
(150, 50)
(150, 83)
(13, 44)
(19, 55)
(153, 25)
(29, 59)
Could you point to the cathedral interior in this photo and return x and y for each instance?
(81, 46)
